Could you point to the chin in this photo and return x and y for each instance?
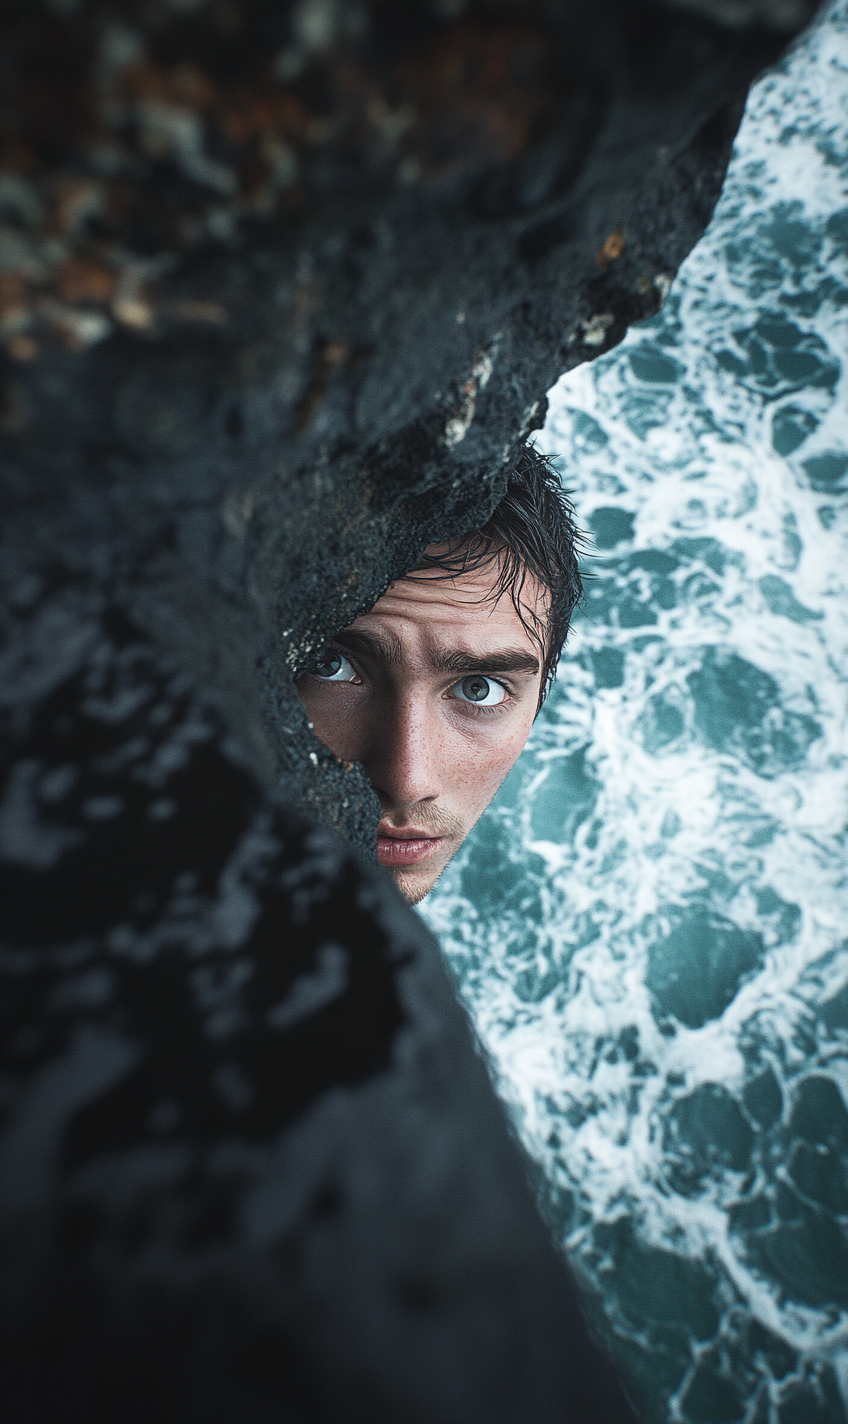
(413, 888)
(416, 881)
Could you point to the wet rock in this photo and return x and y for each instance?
(251, 1165)
(284, 288)
(281, 291)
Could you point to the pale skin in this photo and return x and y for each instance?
(434, 692)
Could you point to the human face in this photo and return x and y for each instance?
(434, 692)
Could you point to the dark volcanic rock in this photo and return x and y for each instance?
(281, 291)
(253, 1168)
(285, 288)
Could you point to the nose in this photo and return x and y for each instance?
(402, 759)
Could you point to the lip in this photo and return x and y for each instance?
(406, 847)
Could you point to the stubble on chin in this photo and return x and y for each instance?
(414, 888)
(413, 894)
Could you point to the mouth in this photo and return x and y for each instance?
(406, 847)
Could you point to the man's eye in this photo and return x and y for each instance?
(334, 667)
(482, 691)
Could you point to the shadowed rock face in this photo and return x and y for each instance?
(253, 1168)
(285, 289)
(282, 291)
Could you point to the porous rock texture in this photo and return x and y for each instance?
(282, 288)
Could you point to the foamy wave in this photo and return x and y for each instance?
(649, 924)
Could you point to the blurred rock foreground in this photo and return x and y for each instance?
(282, 288)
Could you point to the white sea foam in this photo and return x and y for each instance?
(649, 925)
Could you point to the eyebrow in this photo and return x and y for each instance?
(389, 650)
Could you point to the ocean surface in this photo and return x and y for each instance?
(649, 927)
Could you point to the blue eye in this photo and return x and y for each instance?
(480, 691)
(334, 667)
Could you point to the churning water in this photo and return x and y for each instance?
(649, 925)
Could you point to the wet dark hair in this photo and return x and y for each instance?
(531, 532)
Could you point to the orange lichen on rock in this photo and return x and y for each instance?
(612, 248)
(22, 348)
(480, 92)
(81, 280)
(75, 201)
(184, 84)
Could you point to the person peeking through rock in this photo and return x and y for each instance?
(435, 690)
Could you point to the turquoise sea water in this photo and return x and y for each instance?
(650, 925)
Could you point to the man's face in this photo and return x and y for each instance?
(434, 692)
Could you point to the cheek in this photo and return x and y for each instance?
(311, 695)
(481, 770)
(331, 709)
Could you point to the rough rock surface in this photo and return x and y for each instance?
(254, 1169)
(281, 291)
(271, 334)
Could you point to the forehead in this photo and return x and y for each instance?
(466, 605)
